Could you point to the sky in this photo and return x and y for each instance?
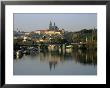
(68, 21)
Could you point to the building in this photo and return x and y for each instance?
(53, 27)
(42, 35)
(53, 30)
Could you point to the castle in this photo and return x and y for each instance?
(53, 27)
(38, 35)
(52, 30)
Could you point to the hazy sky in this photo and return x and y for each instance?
(68, 21)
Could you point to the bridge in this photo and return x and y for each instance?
(50, 47)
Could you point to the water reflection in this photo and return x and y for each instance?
(85, 57)
(79, 56)
(53, 58)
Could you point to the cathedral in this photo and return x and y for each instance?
(53, 27)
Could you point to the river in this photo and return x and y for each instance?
(75, 62)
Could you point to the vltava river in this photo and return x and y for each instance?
(76, 62)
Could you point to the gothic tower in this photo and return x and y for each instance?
(54, 26)
(50, 25)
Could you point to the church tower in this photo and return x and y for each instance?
(54, 26)
(50, 25)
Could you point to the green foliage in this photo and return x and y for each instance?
(89, 37)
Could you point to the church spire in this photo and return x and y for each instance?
(54, 25)
(50, 25)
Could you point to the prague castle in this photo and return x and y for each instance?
(52, 30)
(43, 35)
(54, 27)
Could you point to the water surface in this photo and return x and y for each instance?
(76, 62)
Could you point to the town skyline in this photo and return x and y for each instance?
(68, 22)
(65, 45)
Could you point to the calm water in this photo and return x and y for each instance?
(57, 63)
